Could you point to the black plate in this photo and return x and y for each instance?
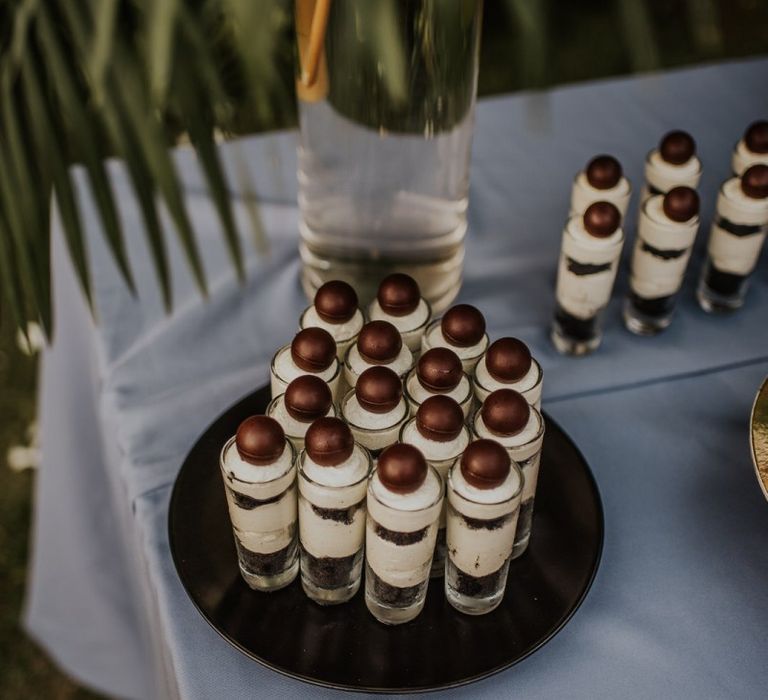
(344, 646)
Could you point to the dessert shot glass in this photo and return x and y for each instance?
(438, 373)
(333, 479)
(399, 301)
(751, 149)
(379, 344)
(259, 472)
(484, 489)
(312, 351)
(335, 309)
(404, 501)
(306, 399)
(507, 364)
(673, 164)
(601, 181)
(461, 329)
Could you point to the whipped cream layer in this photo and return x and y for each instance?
(461, 393)
(293, 428)
(529, 385)
(339, 331)
(287, 370)
(416, 319)
(583, 194)
(737, 254)
(663, 176)
(520, 446)
(440, 454)
(355, 364)
(434, 338)
(743, 158)
(373, 430)
(580, 292)
(654, 270)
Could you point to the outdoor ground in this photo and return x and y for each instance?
(526, 44)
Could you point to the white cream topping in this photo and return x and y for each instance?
(503, 492)
(525, 383)
(419, 394)
(356, 415)
(433, 450)
(436, 339)
(255, 473)
(743, 158)
(291, 426)
(350, 471)
(421, 498)
(339, 331)
(288, 370)
(528, 433)
(400, 365)
(670, 175)
(583, 194)
(417, 318)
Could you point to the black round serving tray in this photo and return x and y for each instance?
(344, 646)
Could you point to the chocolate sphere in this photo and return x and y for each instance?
(754, 182)
(505, 412)
(313, 349)
(440, 418)
(439, 370)
(398, 294)
(307, 398)
(463, 326)
(756, 137)
(508, 360)
(336, 302)
(681, 203)
(378, 389)
(601, 219)
(603, 172)
(329, 442)
(379, 342)
(485, 464)
(677, 147)
(401, 468)
(260, 440)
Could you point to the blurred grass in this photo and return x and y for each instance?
(526, 44)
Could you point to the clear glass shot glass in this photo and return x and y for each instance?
(332, 535)
(411, 336)
(278, 384)
(375, 439)
(469, 356)
(264, 523)
(399, 545)
(531, 393)
(415, 394)
(295, 430)
(480, 540)
(343, 340)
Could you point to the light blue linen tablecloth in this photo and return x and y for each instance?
(678, 608)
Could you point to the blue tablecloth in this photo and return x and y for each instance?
(678, 607)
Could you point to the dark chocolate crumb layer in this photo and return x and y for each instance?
(395, 596)
(724, 283)
(401, 538)
(329, 572)
(338, 515)
(248, 503)
(268, 564)
(478, 524)
(658, 306)
(576, 328)
(476, 586)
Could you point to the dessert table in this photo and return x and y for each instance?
(678, 607)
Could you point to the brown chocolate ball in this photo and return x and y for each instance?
(329, 441)
(756, 137)
(336, 302)
(307, 398)
(378, 389)
(440, 418)
(603, 172)
(601, 219)
(439, 370)
(485, 464)
(677, 147)
(260, 440)
(505, 412)
(508, 360)
(463, 326)
(681, 203)
(379, 342)
(402, 468)
(754, 182)
(398, 294)
(313, 349)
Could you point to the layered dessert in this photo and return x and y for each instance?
(601, 181)
(507, 364)
(379, 344)
(258, 468)
(399, 301)
(405, 496)
(507, 418)
(461, 329)
(335, 309)
(751, 149)
(333, 479)
(665, 236)
(439, 432)
(438, 373)
(672, 164)
(306, 399)
(375, 409)
(589, 259)
(484, 489)
(312, 351)
(735, 241)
